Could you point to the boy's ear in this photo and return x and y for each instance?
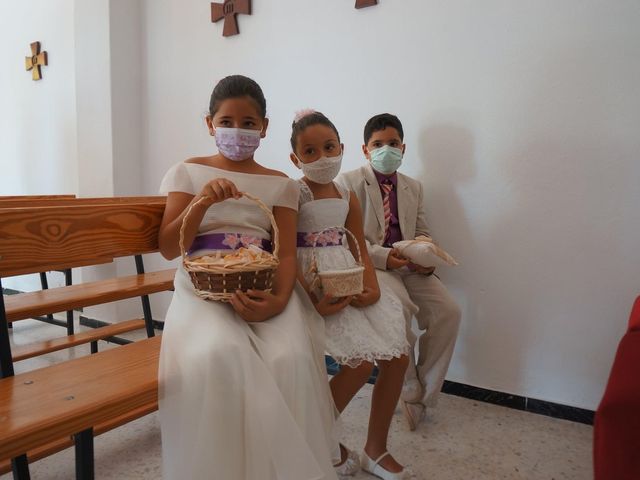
(404, 146)
(365, 150)
(209, 121)
(263, 133)
(294, 159)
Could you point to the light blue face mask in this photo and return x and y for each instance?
(386, 160)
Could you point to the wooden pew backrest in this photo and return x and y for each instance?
(61, 200)
(36, 239)
(27, 198)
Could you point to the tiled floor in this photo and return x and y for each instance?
(461, 439)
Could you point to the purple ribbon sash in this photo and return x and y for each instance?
(328, 238)
(228, 241)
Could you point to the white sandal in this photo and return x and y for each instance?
(350, 466)
(374, 468)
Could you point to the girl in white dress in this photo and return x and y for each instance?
(243, 388)
(362, 329)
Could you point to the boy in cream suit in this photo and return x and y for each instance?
(393, 210)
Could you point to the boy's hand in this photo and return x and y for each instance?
(329, 305)
(423, 270)
(368, 297)
(256, 305)
(395, 260)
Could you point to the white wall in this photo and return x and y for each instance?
(109, 119)
(93, 71)
(521, 119)
(37, 119)
(77, 130)
(126, 99)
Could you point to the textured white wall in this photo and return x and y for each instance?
(521, 118)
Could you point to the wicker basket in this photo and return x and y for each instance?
(340, 283)
(219, 282)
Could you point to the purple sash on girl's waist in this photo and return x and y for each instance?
(228, 241)
(328, 238)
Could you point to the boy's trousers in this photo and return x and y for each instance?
(438, 319)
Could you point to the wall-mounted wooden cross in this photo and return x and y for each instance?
(228, 10)
(366, 3)
(35, 61)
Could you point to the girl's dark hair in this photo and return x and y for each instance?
(235, 86)
(314, 118)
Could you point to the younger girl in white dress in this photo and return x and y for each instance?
(243, 389)
(362, 329)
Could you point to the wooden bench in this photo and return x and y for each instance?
(35, 239)
(26, 200)
(61, 200)
(45, 238)
(41, 410)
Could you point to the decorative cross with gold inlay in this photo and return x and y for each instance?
(366, 3)
(35, 61)
(228, 10)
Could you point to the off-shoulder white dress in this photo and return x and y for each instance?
(242, 400)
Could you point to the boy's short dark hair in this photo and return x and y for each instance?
(380, 122)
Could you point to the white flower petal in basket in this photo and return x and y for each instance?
(422, 251)
(218, 277)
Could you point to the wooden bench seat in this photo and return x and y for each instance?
(35, 349)
(66, 442)
(41, 407)
(32, 304)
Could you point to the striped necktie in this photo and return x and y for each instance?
(386, 206)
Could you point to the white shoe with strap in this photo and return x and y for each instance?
(374, 468)
(350, 466)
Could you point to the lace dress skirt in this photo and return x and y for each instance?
(354, 335)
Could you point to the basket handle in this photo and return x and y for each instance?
(345, 230)
(275, 232)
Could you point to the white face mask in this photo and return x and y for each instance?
(323, 170)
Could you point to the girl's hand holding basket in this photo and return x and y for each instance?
(242, 277)
(256, 305)
(369, 296)
(218, 190)
(330, 305)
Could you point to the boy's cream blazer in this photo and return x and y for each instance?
(364, 184)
